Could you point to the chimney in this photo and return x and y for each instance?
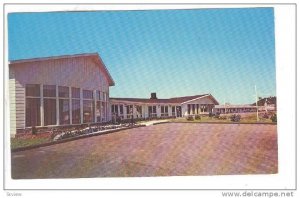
(153, 96)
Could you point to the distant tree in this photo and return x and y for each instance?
(261, 101)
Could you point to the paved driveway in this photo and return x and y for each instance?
(159, 150)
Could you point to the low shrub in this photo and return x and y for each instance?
(235, 118)
(217, 115)
(266, 116)
(222, 117)
(34, 130)
(68, 135)
(274, 117)
(197, 117)
(189, 118)
(210, 114)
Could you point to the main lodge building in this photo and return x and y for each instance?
(64, 90)
(74, 89)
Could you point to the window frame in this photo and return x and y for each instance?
(152, 115)
(129, 111)
(64, 98)
(60, 97)
(50, 98)
(164, 111)
(40, 103)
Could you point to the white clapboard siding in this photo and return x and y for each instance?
(20, 105)
(17, 103)
(12, 105)
(76, 72)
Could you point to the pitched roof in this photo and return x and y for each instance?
(177, 100)
(94, 56)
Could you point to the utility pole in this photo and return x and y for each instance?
(256, 103)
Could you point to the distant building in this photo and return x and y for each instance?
(223, 109)
(126, 108)
(63, 90)
(267, 107)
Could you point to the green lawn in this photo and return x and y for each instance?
(17, 142)
(250, 119)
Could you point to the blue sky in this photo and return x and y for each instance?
(224, 52)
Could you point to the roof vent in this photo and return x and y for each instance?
(153, 96)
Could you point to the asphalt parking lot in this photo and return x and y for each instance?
(172, 149)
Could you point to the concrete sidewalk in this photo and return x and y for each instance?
(153, 122)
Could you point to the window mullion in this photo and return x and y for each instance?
(57, 105)
(81, 106)
(42, 105)
(70, 105)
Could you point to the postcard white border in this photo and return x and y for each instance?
(285, 82)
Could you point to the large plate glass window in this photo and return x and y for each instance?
(33, 104)
(88, 106)
(75, 92)
(49, 94)
(64, 105)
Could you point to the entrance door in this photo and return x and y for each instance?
(178, 111)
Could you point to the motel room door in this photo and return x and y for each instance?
(178, 111)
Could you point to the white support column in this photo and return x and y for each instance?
(134, 111)
(184, 110)
(145, 111)
(147, 114)
(121, 113)
(124, 112)
(169, 110)
(119, 109)
(158, 112)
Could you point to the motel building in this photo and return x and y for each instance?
(224, 109)
(127, 108)
(74, 89)
(56, 91)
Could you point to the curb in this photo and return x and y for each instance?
(258, 123)
(161, 123)
(71, 139)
